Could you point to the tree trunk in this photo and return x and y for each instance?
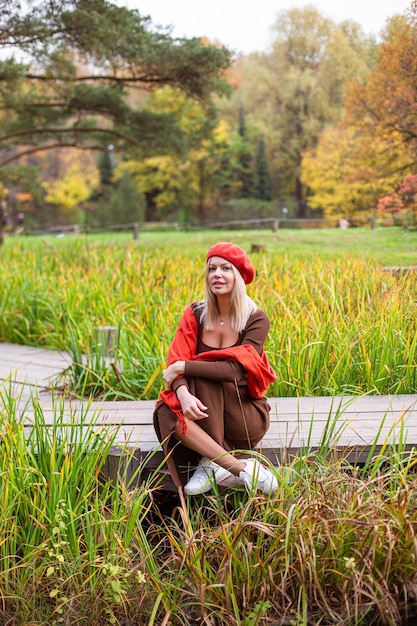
(201, 208)
(301, 203)
(1, 223)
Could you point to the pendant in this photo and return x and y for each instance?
(221, 322)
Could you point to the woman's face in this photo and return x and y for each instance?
(220, 276)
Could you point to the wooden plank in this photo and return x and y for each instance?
(30, 365)
(285, 427)
(318, 407)
(14, 353)
(356, 422)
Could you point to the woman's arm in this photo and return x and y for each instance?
(173, 371)
(191, 406)
(255, 334)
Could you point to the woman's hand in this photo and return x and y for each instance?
(173, 371)
(191, 406)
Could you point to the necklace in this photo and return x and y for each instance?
(221, 322)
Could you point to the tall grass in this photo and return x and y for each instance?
(339, 325)
(336, 545)
(64, 557)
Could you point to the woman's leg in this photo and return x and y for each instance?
(198, 440)
(254, 475)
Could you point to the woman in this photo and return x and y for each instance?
(217, 376)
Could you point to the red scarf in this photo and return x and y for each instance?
(183, 348)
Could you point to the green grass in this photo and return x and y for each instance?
(336, 544)
(385, 246)
(339, 323)
(388, 246)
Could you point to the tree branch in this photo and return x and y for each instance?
(62, 131)
(54, 146)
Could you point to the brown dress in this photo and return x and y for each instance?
(235, 421)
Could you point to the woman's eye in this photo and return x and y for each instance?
(223, 268)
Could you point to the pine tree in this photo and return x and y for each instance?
(126, 203)
(245, 173)
(263, 188)
(106, 168)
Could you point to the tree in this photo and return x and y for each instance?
(21, 189)
(74, 182)
(126, 204)
(401, 202)
(69, 69)
(82, 57)
(346, 174)
(96, 209)
(105, 167)
(293, 92)
(184, 184)
(387, 102)
(263, 189)
(244, 157)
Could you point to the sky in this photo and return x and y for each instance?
(245, 25)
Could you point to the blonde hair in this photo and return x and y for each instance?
(242, 305)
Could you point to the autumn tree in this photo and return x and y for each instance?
(344, 174)
(298, 88)
(188, 184)
(75, 178)
(387, 102)
(20, 190)
(400, 204)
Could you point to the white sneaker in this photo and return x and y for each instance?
(257, 477)
(206, 475)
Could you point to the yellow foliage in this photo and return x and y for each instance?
(171, 177)
(347, 173)
(79, 178)
(177, 181)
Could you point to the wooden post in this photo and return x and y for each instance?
(257, 247)
(136, 231)
(275, 225)
(107, 340)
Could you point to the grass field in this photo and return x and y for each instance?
(335, 546)
(339, 322)
(388, 246)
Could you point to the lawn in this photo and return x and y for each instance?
(390, 246)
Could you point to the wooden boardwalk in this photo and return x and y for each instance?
(352, 424)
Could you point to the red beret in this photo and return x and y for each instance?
(235, 255)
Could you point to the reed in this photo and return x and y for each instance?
(336, 545)
(65, 550)
(338, 326)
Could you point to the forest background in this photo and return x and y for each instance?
(107, 119)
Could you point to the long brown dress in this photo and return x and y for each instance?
(235, 421)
